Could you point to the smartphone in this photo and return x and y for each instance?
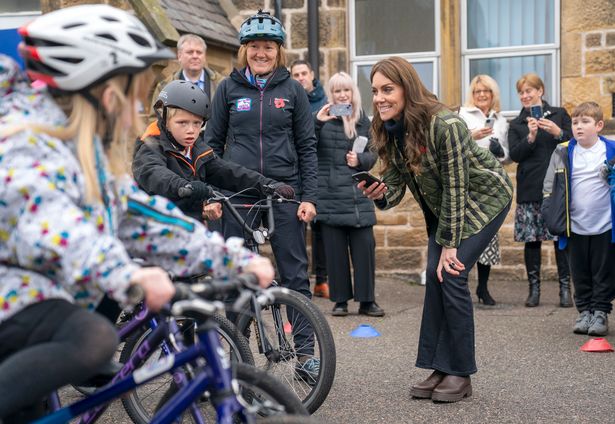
(359, 144)
(367, 177)
(536, 111)
(489, 123)
(340, 109)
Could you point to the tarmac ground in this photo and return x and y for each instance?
(530, 367)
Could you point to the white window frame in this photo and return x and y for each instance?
(552, 49)
(422, 57)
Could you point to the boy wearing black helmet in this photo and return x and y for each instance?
(171, 155)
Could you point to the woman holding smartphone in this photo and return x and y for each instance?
(464, 194)
(489, 129)
(346, 218)
(532, 137)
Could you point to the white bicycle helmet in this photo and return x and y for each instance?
(75, 48)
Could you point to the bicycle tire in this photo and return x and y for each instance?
(141, 403)
(260, 390)
(312, 396)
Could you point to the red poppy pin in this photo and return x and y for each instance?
(279, 103)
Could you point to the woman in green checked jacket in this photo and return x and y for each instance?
(464, 194)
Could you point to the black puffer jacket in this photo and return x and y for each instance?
(340, 202)
(534, 158)
(270, 131)
(160, 168)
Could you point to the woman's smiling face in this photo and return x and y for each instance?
(388, 97)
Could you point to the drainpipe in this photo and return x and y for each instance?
(277, 9)
(313, 54)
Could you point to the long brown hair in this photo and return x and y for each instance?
(420, 106)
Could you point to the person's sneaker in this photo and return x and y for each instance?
(340, 309)
(371, 309)
(321, 290)
(582, 323)
(308, 371)
(599, 325)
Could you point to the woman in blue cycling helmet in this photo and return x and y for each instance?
(261, 119)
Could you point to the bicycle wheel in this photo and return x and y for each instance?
(141, 403)
(261, 392)
(299, 335)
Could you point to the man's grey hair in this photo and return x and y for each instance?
(190, 37)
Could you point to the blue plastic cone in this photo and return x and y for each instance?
(364, 331)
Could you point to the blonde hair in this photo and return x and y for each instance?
(590, 109)
(242, 56)
(343, 80)
(85, 122)
(491, 84)
(531, 79)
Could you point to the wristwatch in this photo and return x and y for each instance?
(560, 136)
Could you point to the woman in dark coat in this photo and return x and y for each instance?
(531, 143)
(346, 217)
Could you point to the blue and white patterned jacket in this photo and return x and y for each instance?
(53, 244)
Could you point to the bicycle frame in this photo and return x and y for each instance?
(215, 375)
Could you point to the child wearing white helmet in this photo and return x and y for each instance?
(69, 211)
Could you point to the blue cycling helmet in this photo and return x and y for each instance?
(262, 26)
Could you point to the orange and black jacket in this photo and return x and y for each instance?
(159, 167)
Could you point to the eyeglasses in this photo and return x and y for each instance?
(479, 92)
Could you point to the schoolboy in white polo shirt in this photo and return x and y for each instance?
(579, 208)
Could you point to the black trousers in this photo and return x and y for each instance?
(592, 264)
(342, 244)
(319, 259)
(446, 341)
(288, 245)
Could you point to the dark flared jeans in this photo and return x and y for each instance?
(446, 341)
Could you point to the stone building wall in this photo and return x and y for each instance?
(332, 30)
(588, 53)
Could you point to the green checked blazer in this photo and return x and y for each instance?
(463, 185)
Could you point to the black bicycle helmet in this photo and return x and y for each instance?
(184, 95)
(262, 26)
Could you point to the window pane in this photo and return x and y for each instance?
(424, 69)
(506, 23)
(507, 70)
(394, 26)
(12, 6)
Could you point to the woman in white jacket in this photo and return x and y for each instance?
(489, 129)
(71, 217)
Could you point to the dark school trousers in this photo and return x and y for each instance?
(341, 244)
(446, 341)
(592, 265)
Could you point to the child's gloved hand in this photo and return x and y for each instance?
(196, 190)
(608, 172)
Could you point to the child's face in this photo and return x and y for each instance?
(185, 127)
(585, 129)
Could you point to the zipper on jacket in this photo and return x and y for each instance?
(260, 134)
(567, 202)
(181, 157)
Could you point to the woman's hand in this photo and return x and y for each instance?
(212, 211)
(450, 263)
(156, 284)
(306, 211)
(323, 113)
(481, 133)
(549, 126)
(532, 125)
(375, 191)
(263, 269)
(352, 159)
